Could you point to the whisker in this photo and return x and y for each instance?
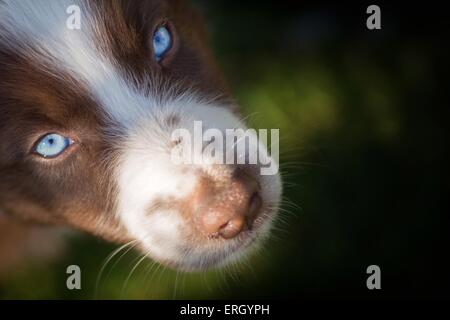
(131, 273)
(175, 286)
(147, 272)
(105, 263)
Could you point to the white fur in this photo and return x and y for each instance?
(146, 173)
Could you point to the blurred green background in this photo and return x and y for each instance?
(364, 153)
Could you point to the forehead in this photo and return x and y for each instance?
(108, 60)
(111, 36)
(41, 20)
(112, 32)
(113, 45)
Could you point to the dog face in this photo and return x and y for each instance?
(87, 119)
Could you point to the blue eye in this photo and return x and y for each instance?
(162, 42)
(52, 145)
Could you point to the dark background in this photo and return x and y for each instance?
(363, 119)
(367, 114)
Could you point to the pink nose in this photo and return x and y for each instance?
(230, 210)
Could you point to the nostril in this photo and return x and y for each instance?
(241, 222)
(232, 228)
(255, 204)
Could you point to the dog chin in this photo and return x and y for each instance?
(216, 254)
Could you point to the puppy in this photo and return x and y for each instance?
(91, 93)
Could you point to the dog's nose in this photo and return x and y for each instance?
(231, 209)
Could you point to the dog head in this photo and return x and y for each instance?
(91, 94)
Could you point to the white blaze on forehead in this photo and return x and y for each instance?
(37, 29)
